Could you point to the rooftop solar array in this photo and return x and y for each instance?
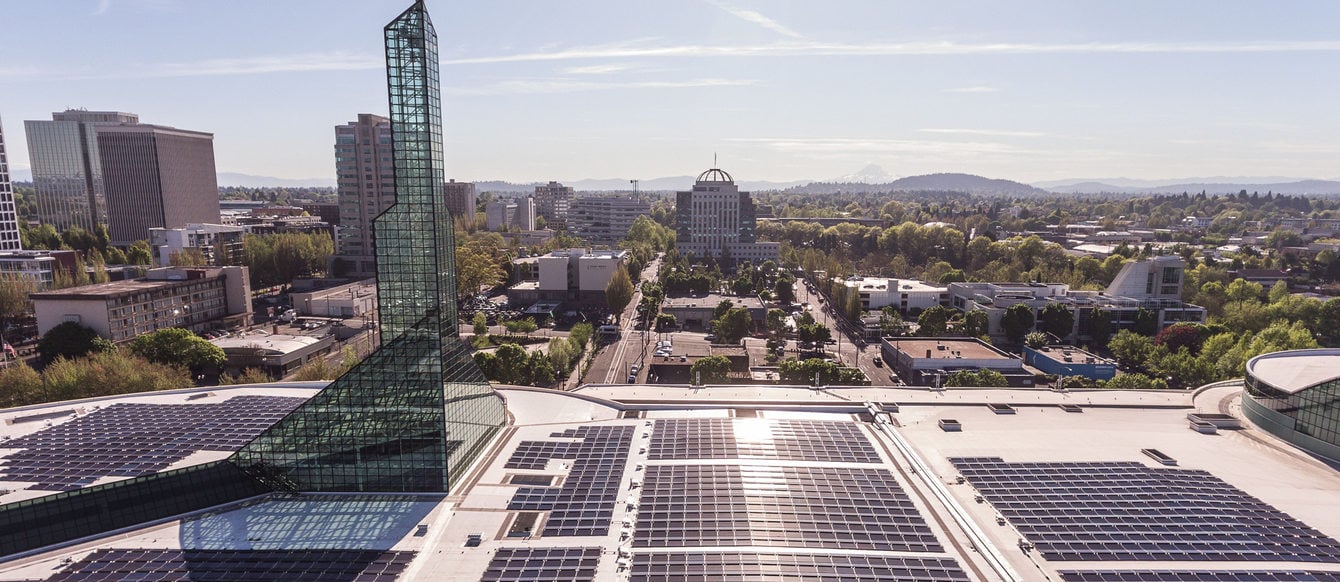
(129, 439)
(1200, 576)
(726, 438)
(803, 507)
(548, 564)
(584, 504)
(237, 565)
(772, 567)
(1127, 511)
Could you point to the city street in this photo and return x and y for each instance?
(848, 352)
(611, 365)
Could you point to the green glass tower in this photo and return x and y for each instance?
(418, 410)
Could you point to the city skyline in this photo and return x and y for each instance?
(781, 91)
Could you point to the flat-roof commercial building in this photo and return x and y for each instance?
(219, 244)
(902, 294)
(927, 361)
(695, 311)
(605, 220)
(1292, 395)
(510, 215)
(1154, 284)
(40, 267)
(354, 299)
(276, 354)
(1070, 361)
(574, 276)
(156, 177)
(194, 298)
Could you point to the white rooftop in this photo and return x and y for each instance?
(1295, 370)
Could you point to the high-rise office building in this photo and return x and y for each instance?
(461, 199)
(156, 177)
(67, 171)
(9, 217)
(366, 182)
(383, 426)
(715, 219)
(517, 215)
(552, 202)
(605, 220)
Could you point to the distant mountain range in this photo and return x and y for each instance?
(253, 181)
(1278, 185)
(930, 182)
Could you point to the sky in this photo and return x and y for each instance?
(776, 90)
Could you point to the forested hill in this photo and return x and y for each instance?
(966, 183)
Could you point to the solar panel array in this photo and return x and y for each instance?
(804, 507)
(725, 438)
(548, 564)
(772, 567)
(128, 440)
(1127, 511)
(1200, 576)
(161, 565)
(584, 504)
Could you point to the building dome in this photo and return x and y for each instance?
(1290, 394)
(715, 175)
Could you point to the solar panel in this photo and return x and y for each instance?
(777, 567)
(1199, 576)
(549, 564)
(584, 504)
(809, 507)
(1115, 511)
(218, 565)
(128, 440)
(751, 438)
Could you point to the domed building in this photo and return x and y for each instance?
(715, 219)
(1295, 395)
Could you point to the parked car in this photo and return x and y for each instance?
(879, 362)
(632, 379)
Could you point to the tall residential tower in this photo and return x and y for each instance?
(366, 181)
(67, 171)
(552, 202)
(9, 218)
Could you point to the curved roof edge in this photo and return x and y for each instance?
(1296, 370)
(715, 175)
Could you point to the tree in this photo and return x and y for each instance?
(178, 347)
(1181, 335)
(70, 340)
(139, 253)
(619, 292)
(19, 385)
(1057, 319)
(785, 289)
(541, 369)
(710, 370)
(666, 321)
(1278, 292)
(1036, 339)
(1100, 326)
(580, 334)
(1016, 321)
(488, 364)
(983, 377)
(1146, 322)
(480, 323)
(1130, 348)
(278, 259)
(563, 355)
(512, 364)
(14, 291)
(525, 325)
(934, 321)
(188, 257)
(1135, 382)
(976, 323)
(1244, 290)
(477, 266)
(776, 321)
(246, 376)
(732, 326)
(1329, 319)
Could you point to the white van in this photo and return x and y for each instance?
(609, 330)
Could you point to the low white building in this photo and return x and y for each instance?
(902, 294)
(518, 214)
(357, 299)
(220, 244)
(571, 275)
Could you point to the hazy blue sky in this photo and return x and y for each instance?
(781, 90)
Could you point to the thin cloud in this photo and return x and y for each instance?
(754, 17)
(987, 132)
(811, 48)
(973, 89)
(849, 145)
(300, 63)
(533, 86)
(597, 69)
(103, 7)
